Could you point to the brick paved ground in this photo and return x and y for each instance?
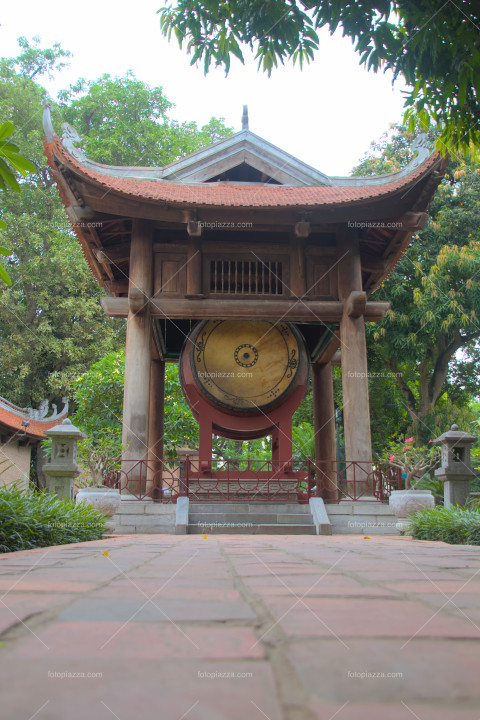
(241, 627)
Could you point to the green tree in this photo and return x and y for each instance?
(51, 324)
(428, 342)
(98, 399)
(434, 47)
(123, 121)
(11, 162)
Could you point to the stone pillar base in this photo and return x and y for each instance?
(456, 492)
(61, 486)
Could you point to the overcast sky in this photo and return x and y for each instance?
(326, 115)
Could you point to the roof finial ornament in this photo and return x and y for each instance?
(47, 119)
(245, 118)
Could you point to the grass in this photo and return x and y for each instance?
(30, 520)
(453, 525)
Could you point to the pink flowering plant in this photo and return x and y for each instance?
(413, 461)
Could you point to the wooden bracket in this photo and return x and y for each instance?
(194, 228)
(138, 300)
(101, 257)
(356, 304)
(302, 229)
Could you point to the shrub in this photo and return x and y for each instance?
(30, 520)
(454, 525)
(412, 460)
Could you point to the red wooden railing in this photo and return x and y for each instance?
(255, 480)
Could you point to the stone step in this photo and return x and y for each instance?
(364, 524)
(358, 508)
(263, 529)
(233, 507)
(258, 518)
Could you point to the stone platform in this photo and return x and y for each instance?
(368, 516)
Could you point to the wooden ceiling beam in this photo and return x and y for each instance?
(289, 310)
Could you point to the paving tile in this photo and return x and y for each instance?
(382, 669)
(352, 617)
(16, 608)
(405, 710)
(141, 609)
(109, 640)
(31, 583)
(368, 592)
(199, 690)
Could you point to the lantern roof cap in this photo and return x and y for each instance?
(65, 429)
(455, 436)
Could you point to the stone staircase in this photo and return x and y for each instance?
(362, 517)
(250, 518)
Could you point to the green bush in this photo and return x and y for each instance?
(30, 520)
(454, 525)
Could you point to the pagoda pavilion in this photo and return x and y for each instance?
(167, 244)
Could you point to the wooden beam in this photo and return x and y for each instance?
(117, 286)
(119, 252)
(288, 310)
(326, 348)
(372, 262)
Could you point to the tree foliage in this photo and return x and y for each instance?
(434, 47)
(52, 327)
(99, 406)
(123, 121)
(10, 162)
(428, 340)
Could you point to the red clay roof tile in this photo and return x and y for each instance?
(238, 195)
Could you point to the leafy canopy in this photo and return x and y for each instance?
(428, 341)
(434, 46)
(52, 327)
(123, 121)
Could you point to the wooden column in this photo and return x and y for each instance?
(324, 425)
(298, 281)
(156, 426)
(194, 259)
(356, 407)
(136, 401)
(298, 276)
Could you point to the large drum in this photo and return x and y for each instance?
(244, 368)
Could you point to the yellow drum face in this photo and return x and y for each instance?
(246, 364)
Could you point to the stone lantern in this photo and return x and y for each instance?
(62, 468)
(455, 470)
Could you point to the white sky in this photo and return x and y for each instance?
(326, 115)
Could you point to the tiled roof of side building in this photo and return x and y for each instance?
(11, 418)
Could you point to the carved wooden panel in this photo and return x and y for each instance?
(322, 278)
(169, 274)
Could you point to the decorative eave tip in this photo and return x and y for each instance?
(245, 118)
(47, 120)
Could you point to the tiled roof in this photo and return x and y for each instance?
(237, 194)
(13, 421)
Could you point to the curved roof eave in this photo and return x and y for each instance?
(233, 194)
